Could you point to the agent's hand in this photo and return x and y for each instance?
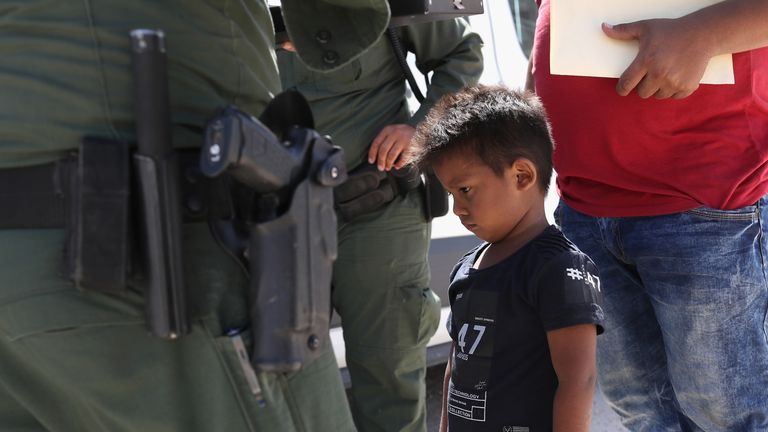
(389, 144)
(288, 46)
(671, 60)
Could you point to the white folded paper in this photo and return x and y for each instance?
(579, 46)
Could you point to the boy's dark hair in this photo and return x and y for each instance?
(496, 124)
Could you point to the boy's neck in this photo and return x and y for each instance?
(529, 229)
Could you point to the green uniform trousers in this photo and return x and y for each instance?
(388, 313)
(79, 361)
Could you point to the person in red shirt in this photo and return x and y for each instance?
(663, 184)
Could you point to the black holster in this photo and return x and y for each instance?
(291, 260)
(282, 202)
(435, 197)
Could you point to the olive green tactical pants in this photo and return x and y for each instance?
(75, 361)
(381, 291)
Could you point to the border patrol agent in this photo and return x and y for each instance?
(381, 277)
(80, 359)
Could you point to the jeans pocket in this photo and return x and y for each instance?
(747, 213)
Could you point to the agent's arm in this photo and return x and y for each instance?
(452, 52)
(573, 357)
(674, 52)
(530, 84)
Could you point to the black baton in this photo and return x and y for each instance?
(158, 181)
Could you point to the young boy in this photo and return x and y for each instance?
(525, 304)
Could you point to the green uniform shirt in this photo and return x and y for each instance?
(524, 14)
(354, 102)
(65, 69)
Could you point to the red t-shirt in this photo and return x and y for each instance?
(627, 156)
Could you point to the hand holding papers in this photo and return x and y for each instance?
(580, 47)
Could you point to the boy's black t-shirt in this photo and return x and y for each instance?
(502, 378)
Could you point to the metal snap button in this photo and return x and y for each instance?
(331, 57)
(323, 36)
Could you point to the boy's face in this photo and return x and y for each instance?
(493, 207)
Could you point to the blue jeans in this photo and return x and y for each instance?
(685, 346)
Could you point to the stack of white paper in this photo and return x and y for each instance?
(579, 46)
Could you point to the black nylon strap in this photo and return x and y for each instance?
(34, 197)
(362, 180)
(367, 189)
(366, 203)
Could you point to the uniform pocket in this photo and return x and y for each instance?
(430, 316)
(413, 316)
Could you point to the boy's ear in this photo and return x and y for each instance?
(525, 173)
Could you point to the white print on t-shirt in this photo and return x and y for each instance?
(470, 406)
(515, 429)
(480, 329)
(591, 279)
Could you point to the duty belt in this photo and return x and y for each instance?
(40, 196)
(367, 189)
(91, 194)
